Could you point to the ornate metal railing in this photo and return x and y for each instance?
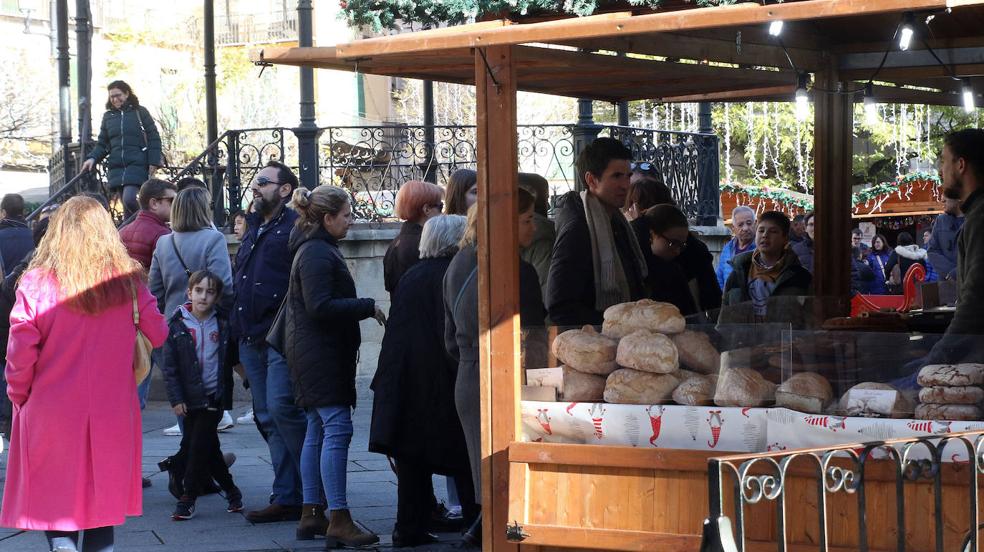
(751, 479)
(374, 161)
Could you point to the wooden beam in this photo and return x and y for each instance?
(498, 283)
(934, 71)
(604, 26)
(833, 154)
(770, 92)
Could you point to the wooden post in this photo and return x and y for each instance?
(498, 283)
(832, 190)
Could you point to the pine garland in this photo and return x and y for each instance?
(393, 14)
(886, 188)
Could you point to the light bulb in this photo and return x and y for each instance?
(870, 107)
(968, 98)
(802, 104)
(906, 32)
(775, 28)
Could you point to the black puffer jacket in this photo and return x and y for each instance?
(129, 141)
(183, 371)
(322, 322)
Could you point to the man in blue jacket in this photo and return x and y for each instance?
(15, 236)
(743, 228)
(262, 272)
(942, 247)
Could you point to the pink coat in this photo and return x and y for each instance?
(75, 443)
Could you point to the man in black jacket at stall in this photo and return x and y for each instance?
(15, 235)
(597, 261)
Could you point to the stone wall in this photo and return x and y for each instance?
(364, 249)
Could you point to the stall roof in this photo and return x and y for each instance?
(719, 53)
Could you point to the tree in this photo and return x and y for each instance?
(25, 115)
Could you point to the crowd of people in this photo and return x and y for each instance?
(285, 314)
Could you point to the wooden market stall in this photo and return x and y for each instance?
(621, 498)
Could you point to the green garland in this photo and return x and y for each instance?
(391, 14)
(886, 188)
(777, 195)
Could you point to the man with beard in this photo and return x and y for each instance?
(262, 271)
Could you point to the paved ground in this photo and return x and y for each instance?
(371, 495)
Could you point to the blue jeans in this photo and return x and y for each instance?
(280, 418)
(324, 460)
(156, 360)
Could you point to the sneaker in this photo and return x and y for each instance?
(226, 422)
(246, 418)
(145, 482)
(173, 431)
(235, 502)
(184, 510)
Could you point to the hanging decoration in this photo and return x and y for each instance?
(728, 171)
(902, 186)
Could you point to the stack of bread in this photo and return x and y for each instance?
(739, 384)
(951, 392)
(588, 358)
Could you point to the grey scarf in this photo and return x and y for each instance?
(611, 283)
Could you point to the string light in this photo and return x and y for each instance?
(802, 100)
(870, 106)
(775, 28)
(906, 32)
(968, 97)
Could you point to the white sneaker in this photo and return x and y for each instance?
(173, 431)
(226, 422)
(246, 418)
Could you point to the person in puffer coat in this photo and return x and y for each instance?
(129, 142)
(321, 340)
(906, 254)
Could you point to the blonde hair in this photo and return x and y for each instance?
(83, 252)
(189, 212)
(314, 204)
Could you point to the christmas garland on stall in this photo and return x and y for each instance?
(902, 186)
(393, 14)
(775, 195)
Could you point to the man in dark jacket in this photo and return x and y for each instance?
(597, 261)
(15, 236)
(942, 246)
(804, 248)
(140, 236)
(262, 271)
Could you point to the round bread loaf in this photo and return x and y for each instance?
(696, 391)
(743, 387)
(956, 412)
(696, 352)
(628, 386)
(805, 392)
(648, 352)
(581, 387)
(902, 408)
(625, 318)
(951, 395)
(951, 375)
(586, 350)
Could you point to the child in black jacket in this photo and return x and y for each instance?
(200, 390)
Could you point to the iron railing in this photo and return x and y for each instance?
(372, 162)
(247, 28)
(759, 478)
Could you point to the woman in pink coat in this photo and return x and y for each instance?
(75, 444)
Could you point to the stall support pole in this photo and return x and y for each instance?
(498, 283)
(832, 189)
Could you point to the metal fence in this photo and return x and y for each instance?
(742, 481)
(372, 162)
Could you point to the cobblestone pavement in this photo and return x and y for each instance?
(371, 495)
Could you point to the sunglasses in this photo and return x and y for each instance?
(674, 244)
(644, 167)
(263, 181)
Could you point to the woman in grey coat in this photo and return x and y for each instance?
(461, 330)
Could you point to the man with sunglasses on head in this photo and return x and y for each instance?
(597, 261)
(262, 272)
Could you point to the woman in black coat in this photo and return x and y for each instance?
(321, 341)
(416, 202)
(414, 419)
(665, 230)
(461, 329)
(129, 137)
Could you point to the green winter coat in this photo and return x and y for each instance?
(129, 142)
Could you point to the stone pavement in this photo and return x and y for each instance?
(371, 496)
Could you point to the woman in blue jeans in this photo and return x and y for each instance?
(321, 343)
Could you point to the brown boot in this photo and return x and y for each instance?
(313, 522)
(344, 533)
(274, 513)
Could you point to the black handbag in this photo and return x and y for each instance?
(276, 338)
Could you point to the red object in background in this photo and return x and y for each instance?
(901, 303)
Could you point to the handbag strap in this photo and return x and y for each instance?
(461, 292)
(174, 244)
(136, 307)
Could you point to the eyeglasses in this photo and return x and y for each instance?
(263, 181)
(674, 244)
(644, 167)
(439, 205)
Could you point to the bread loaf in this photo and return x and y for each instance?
(581, 387)
(960, 412)
(743, 387)
(628, 386)
(901, 409)
(647, 351)
(697, 353)
(805, 392)
(696, 391)
(586, 350)
(951, 375)
(951, 395)
(625, 318)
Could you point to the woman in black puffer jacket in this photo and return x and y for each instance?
(129, 141)
(321, 344)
